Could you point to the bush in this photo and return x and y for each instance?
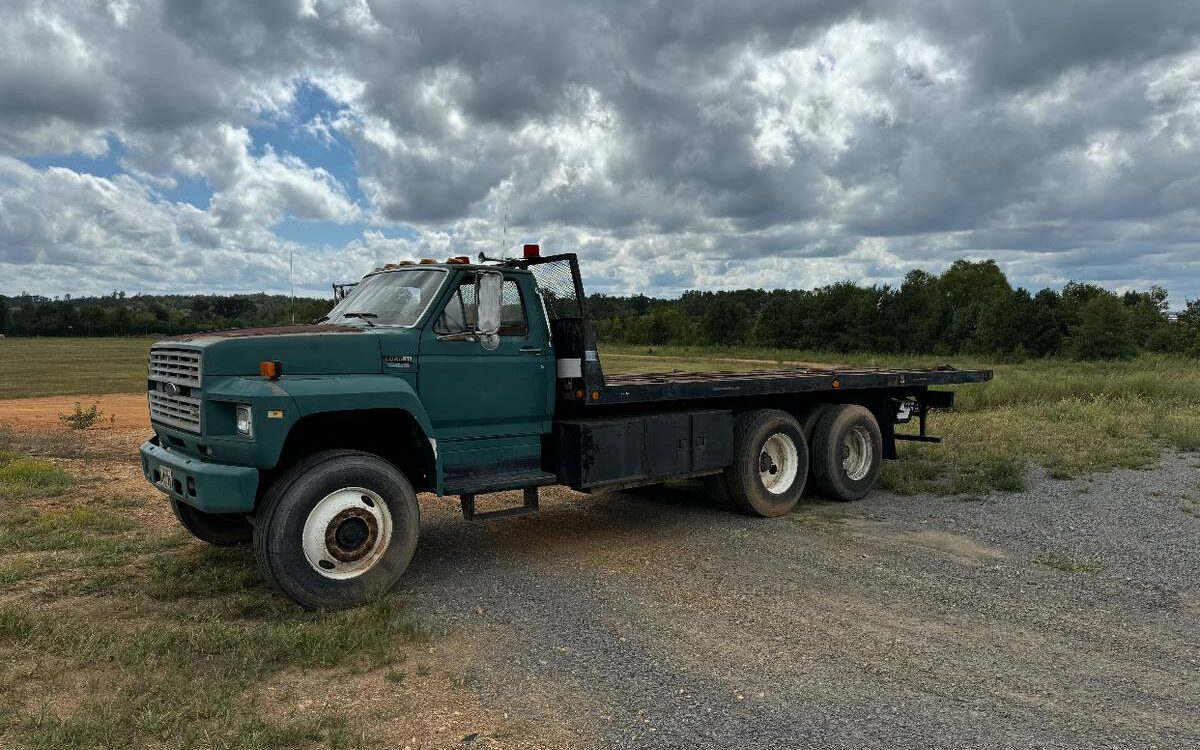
(81, 418)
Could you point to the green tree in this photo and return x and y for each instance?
(726, 322)
(918, 312)
(1147, 312)
(1048, 329)
(1005, 326)
(1103, 331)
(970, 289)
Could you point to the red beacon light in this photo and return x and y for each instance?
(532, 251)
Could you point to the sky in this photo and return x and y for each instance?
(180, 146)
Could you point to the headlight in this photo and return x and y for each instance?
(245, 421)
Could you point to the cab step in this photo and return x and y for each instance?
(530, 506)
(480, 484)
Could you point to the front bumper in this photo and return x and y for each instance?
(212, 488)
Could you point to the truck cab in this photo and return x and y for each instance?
(311, 442)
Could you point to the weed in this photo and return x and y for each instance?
(912, 475)
(1005, 473)
(81, 418)
(201, 572)
(25, 477)
(84, 527)
(20, 569)
(395, 676)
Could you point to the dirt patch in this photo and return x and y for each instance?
(129, 410)
(424, 700)
(962, 547)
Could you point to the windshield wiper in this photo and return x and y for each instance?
(366, 316)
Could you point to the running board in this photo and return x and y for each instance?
(918, 438)
(530, 506)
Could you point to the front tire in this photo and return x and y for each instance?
(217, 529)
(338, 528)
(847, 452)
(770, 463)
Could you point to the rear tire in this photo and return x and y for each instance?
(217, 529)
(847, 452)
(770, 463)
(809, 417)
(336, 529)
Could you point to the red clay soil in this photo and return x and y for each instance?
(129, 409)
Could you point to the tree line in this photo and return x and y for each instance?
(971, 308)
(118, 314)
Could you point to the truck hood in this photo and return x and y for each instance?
(303, 350)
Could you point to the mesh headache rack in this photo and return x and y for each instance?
(561, 287)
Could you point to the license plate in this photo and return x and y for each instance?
(165, 478)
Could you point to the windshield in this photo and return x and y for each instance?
(395, 298)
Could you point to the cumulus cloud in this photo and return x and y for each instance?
(765, 143)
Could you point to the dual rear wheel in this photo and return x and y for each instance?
(838, 448)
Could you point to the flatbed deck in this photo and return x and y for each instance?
(667, 386)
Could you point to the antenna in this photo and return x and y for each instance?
(292, 282)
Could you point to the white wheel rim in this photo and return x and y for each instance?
(347, 532)
(778, 463)
(857, 453)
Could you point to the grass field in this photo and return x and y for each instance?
(1069, 417)
(57, 367)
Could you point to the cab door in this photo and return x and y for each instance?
(489, 408)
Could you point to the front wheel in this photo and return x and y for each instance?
(337, 529)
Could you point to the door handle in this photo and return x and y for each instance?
(530, 350)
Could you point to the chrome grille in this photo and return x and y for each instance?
(179, 366)
(174, 386)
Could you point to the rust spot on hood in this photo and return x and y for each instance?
(240, 333)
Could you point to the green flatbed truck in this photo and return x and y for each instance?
(311, 442)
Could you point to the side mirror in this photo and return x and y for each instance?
(487, 295)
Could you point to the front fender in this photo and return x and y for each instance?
(361, 392)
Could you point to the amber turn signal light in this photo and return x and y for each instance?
(270, 370)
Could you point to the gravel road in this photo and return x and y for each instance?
(1065, 616)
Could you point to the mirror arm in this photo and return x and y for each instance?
(458, 336)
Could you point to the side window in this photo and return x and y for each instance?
(460, 312)
(512, 312)
(459, 315)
